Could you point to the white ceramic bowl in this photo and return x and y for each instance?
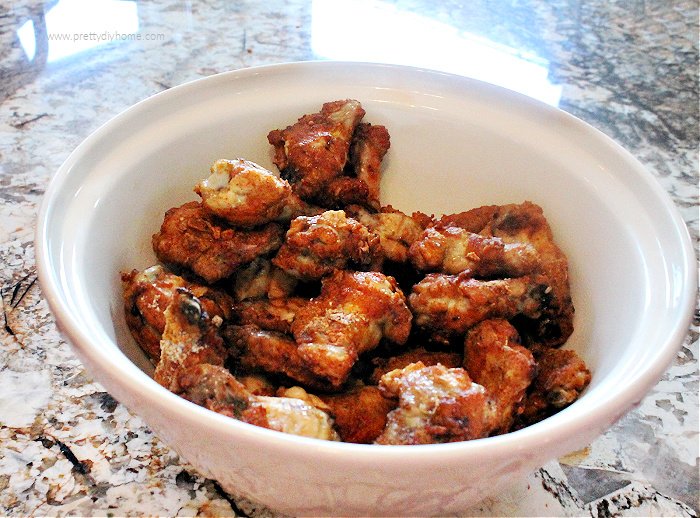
(456, 144)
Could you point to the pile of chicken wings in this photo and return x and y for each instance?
(297, 302)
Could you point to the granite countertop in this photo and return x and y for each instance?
(628, 68)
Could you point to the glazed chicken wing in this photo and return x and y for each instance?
(191, 237)
(449, 305)
(315, 246)
(353, 312)
(494, 358)
(214, 388)
(453, 250)
(313, 151)
(436, 405)
(561, 377)
(147, 295)
(190, 337)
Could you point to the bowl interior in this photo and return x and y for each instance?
(455, 144)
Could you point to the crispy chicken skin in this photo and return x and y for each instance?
(314, 150)
(449, 305)
(561, 377)
(397, 231)
(190, 337)
(191, 237)
(526, 223)
(436, 405)
(453, 250)
(419, 354)
(244, 193)
(147, 295)
(315, 246)
(494, 358)
(360, 414)
(353, 312)
(369, 145)
(214, 388)
(272, 352)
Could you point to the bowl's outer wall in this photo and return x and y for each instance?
(456, 144)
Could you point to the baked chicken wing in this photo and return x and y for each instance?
(453, 250)
(214, 388)
(191, 237)
(315, 246)
(397, 231)
(449, 305)
(494, 358)
(561, 377)
(314, 150)
(436, 405)
(526, 223)
(353, 312)
(190, 337)
(148, 293)
(369, 145)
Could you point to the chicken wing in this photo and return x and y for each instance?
(397, 231)
(449, 305)
(315, 246)
(191, 237)
(561, 377)
(190, 337)
(244, 193)
(259, 279)
(273, 352)
(419, 354)
(453, 250)
(271, 315)
(525, 223)
(360, 414)
(494, 358)
(313, 151)
(436, 405)
(216, 389)
(369, 145)
(353, 312)
(147, 295)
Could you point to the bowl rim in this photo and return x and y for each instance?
(609, 409)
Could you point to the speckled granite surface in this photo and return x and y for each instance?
(67, 448)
